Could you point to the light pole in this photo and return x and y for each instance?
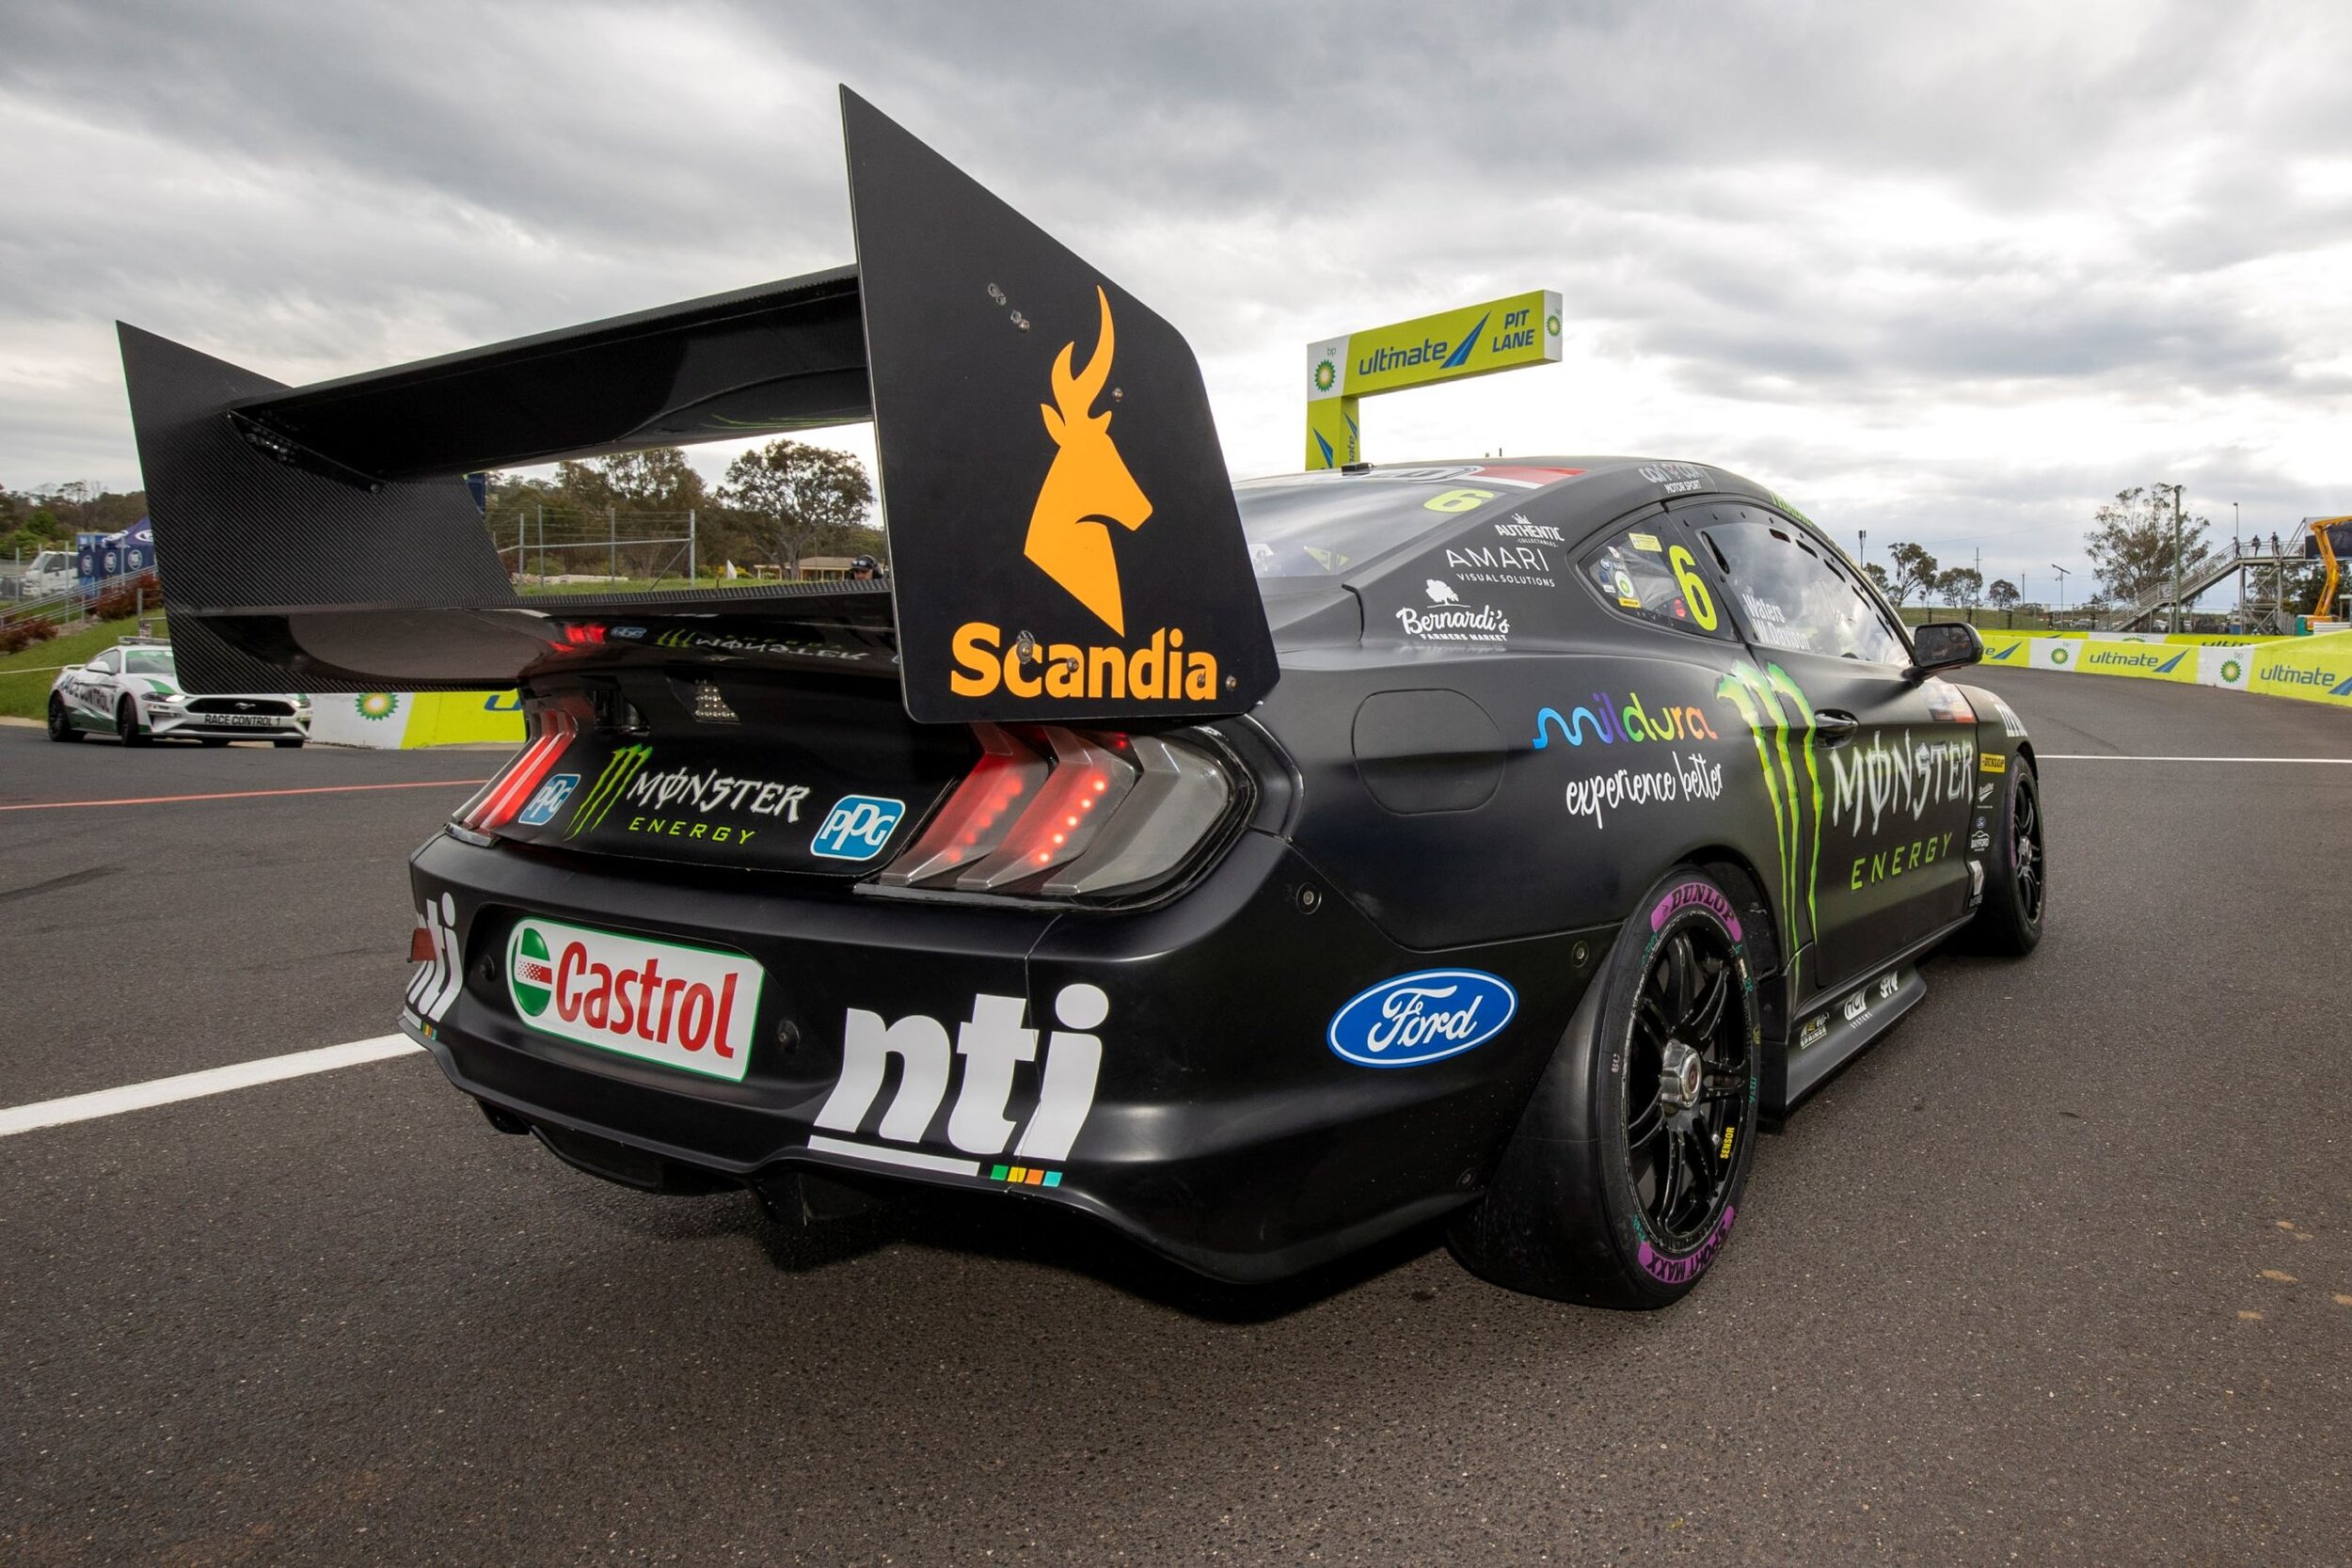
(2172, 623)
(2062, 574)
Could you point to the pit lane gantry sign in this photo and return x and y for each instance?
(1474, 340)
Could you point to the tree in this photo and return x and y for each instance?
(1877, 574)
(2131, 544)
(797, 497)
(1914, 573)
(1962, 585)
(2002, 595)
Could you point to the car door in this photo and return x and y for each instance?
(1877, 766)
(93, 690)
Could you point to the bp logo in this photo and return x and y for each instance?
(1551, 326)
(1326, 375)
(534, 974)
(2060, 656)
(378, 704)
(2232, 669)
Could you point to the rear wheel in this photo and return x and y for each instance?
(2016, 877)
(1623, 1178)
(127, 723)
(61, 722)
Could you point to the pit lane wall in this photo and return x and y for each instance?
(2310, 669)
(398, 721)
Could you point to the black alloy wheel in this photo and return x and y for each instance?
(1620, 1184)
(127, 723)
(2017, 880)
(1687, 1081)
(2024, 846)
(60, 721)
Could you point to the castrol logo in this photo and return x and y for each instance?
(686, 1007)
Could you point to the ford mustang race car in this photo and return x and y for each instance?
(1261, 869)
(132, 692)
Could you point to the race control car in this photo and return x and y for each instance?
(133, 691)
(1259, 869)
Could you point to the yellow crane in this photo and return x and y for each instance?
(2325, 535)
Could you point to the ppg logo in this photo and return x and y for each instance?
(549, 800)
(857, 828)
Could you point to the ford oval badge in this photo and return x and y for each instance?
(1422, 1018)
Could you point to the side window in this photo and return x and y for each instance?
(1647, 572)
(1789, 592)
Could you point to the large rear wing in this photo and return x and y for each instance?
(1064, 541)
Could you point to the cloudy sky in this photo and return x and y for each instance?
(1950, 274)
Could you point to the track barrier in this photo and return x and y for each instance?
(2310, 669)
(402, 720)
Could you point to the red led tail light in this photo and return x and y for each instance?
(508, 792)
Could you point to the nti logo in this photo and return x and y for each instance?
(996, 1049)
(543, 806)
(857, 828)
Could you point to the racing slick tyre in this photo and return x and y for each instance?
(1624, 1175)
(127, 724)
(290, 744)
(61, 725)
(2016, 873)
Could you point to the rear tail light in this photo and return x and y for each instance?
(552, 731)
(1069, 813)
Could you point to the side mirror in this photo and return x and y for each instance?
(1943, 645)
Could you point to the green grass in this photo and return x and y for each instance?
(25, 685)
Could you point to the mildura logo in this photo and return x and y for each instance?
(1419, 1018)
(1609, 722)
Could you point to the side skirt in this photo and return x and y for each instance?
(1843, 1027)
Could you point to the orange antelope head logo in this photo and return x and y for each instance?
(1088, 487)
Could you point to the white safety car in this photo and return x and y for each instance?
(132, 692)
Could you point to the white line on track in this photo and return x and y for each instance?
(193, 1085)
(2110, 756)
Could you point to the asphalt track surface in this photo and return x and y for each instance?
(2058, 1274)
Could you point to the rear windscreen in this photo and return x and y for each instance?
(1323, 524)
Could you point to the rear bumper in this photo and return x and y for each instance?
(1220, 1129)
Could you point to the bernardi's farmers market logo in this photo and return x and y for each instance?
(1086, 489)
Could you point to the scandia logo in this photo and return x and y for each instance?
(1088, 489)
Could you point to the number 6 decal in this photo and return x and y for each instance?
(1694, 597)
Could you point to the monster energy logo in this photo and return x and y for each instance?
(623, 766)
(1759, 696)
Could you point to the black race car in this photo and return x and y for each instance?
(1262, 868)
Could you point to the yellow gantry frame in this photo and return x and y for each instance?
(1452, 345)
(2321, 611)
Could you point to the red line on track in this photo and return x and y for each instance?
(243, 794)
